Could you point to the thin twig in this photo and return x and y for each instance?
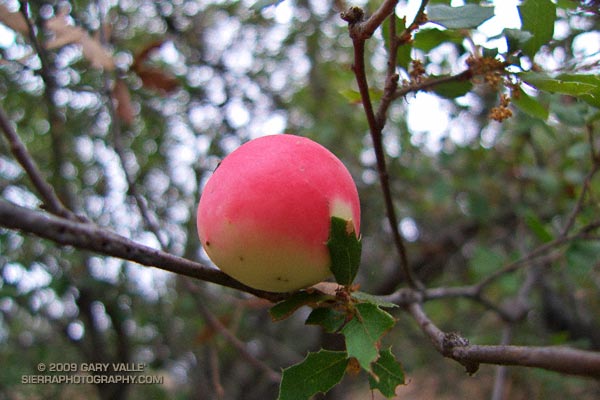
(140, 200)
(537, 252)
(51, 201)
(585, 186)
(406, 296)
(432, 82)
(215, 377)
(392, 77)
(418, 20)
(359, 32)
(366, 28)
(501, 375)
(55, 119)
(218, 326)
(119, 147)
(39, 49)
(363, 85)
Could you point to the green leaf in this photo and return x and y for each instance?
(388, 374)
(560, 85)
(478, 205)
(571, 114)
(489, 53)
(261, 4)
(318, 373)
(530, 105)
(344, 249)
(464, 17)
(485, 261)
(578, 151)
(593, 118)
(516, 38)
(372, 299)
(363, 332)
(567, 4)
(538, 227)
(429, 39)
(453, 89)
(582, 257)
(354, 97)
(330, 319)
(560, 338)
(537, 17)
(593, 96)
(542, 177)
(287, 307)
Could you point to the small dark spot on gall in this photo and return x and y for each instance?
(207, 243)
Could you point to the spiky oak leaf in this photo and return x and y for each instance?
(345, 249)
(364, 331)
(387, 374)
(372, 299)
(331, 320)
(318, 373)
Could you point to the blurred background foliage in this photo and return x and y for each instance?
(192, 80)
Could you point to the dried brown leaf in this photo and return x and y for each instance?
(97, 54)
(143, 55)
(65, 37)
(104, 33)
(330, 288)
(14, 20)
(157, 79)
(59, 24)
(64, 34)
(353, 368)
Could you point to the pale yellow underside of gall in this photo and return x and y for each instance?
(271, 263)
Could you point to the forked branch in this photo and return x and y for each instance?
(565, 360)
(360, 30)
